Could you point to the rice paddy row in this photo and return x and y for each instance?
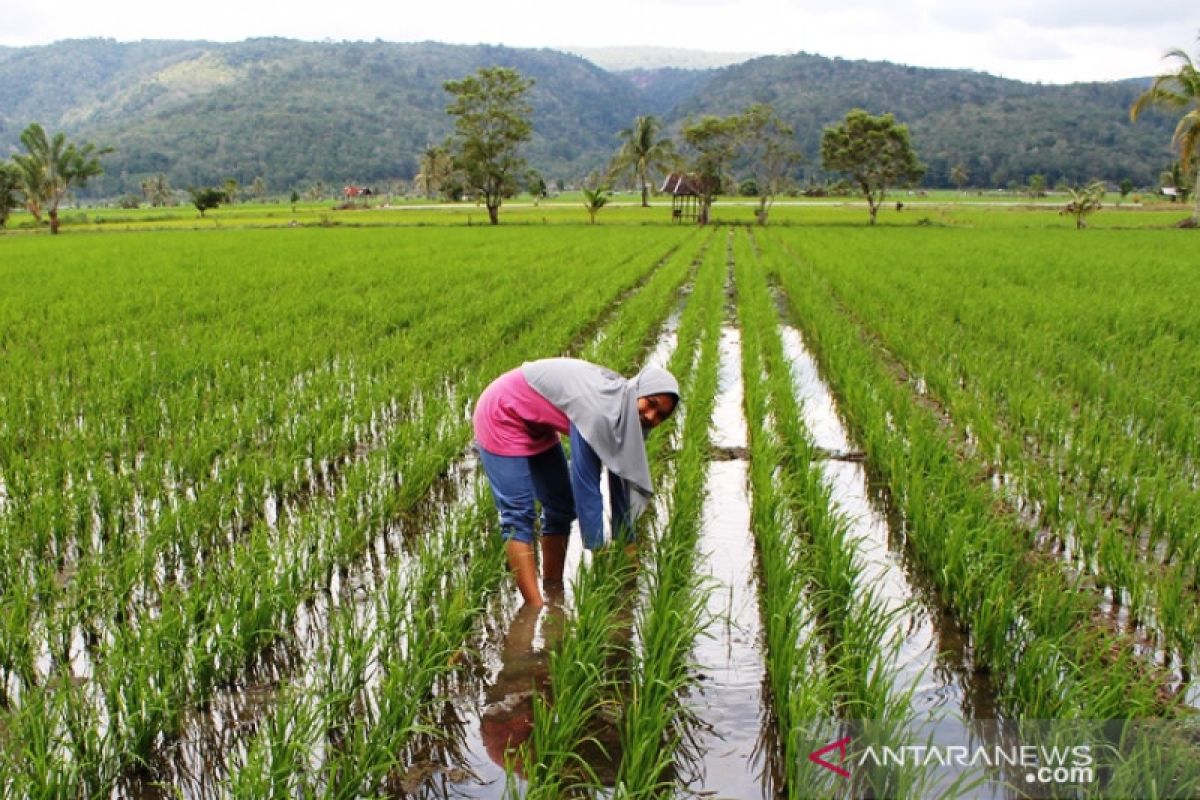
(208, 451)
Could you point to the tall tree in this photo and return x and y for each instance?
(157, 189)
(10, 184)
(51, 167)
(770, 149)
(1178, 90)
(959, 176)
(714, 142)
(491, 122)
(642, 151)
(435, 167)
(875, 152)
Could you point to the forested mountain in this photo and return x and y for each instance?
(1001, 130)
(293, 112)
(300, 112)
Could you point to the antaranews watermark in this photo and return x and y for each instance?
(1045, 758)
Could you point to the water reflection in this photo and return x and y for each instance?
(507, 718)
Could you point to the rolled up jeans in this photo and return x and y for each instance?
(517, 481)
(564, 493)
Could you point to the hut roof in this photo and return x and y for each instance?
(681, 184)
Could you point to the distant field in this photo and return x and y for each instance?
(243, 550)
(971, 209)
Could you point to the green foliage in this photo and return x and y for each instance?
(999, 129)
(207, 198)
(594, 200)
(875, 152)
(436, 175)
(300, 112)
(491, 122)
(51, 166)
(771, 153)
(157, 190)
(10, 184)
(1179, 91)
(643, 152)
(713, 142)
(1037, 186)
(1084, 201)
(959, 175)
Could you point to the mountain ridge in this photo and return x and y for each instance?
(300, 112)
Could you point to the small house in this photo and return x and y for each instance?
(684, 189)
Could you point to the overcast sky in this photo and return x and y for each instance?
(1053, 41)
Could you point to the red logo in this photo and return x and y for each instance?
(840, 746)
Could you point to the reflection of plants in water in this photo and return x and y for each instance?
(670, 618)
(1032, 622)
(573, 736)
(507, 718)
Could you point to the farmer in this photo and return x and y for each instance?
(518, 420)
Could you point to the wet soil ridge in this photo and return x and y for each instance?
(1031, 626)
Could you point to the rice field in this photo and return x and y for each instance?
(930, 500)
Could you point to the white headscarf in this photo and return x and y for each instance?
(603, 406)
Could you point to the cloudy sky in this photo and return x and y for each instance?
(1053, 41)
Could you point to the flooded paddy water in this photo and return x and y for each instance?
(729, 704)
(195, 763)
(488, 702)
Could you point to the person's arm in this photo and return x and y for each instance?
(618, 501)
(585, 486)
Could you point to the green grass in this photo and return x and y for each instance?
(161, 388)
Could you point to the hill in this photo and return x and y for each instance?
(1001, 130)
(297, 113)
(293, 112)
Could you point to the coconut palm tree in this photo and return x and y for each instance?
(1178, 90)
(959, 176)
(51, 167)
(640, 153)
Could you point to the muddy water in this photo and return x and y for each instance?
(194, 763)
(728, 703)
(490, 709)
(934, 655)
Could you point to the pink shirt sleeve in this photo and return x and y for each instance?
(512, 419)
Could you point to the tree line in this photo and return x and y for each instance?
(753, 152)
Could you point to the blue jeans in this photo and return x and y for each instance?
(564, 493)
(517, 480)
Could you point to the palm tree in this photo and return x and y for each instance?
(641, 152)
(594, 200)
(51, 167)
(436, 166)
(1178, 90)
(157, 189)
(1084, 201)
(959, 176)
